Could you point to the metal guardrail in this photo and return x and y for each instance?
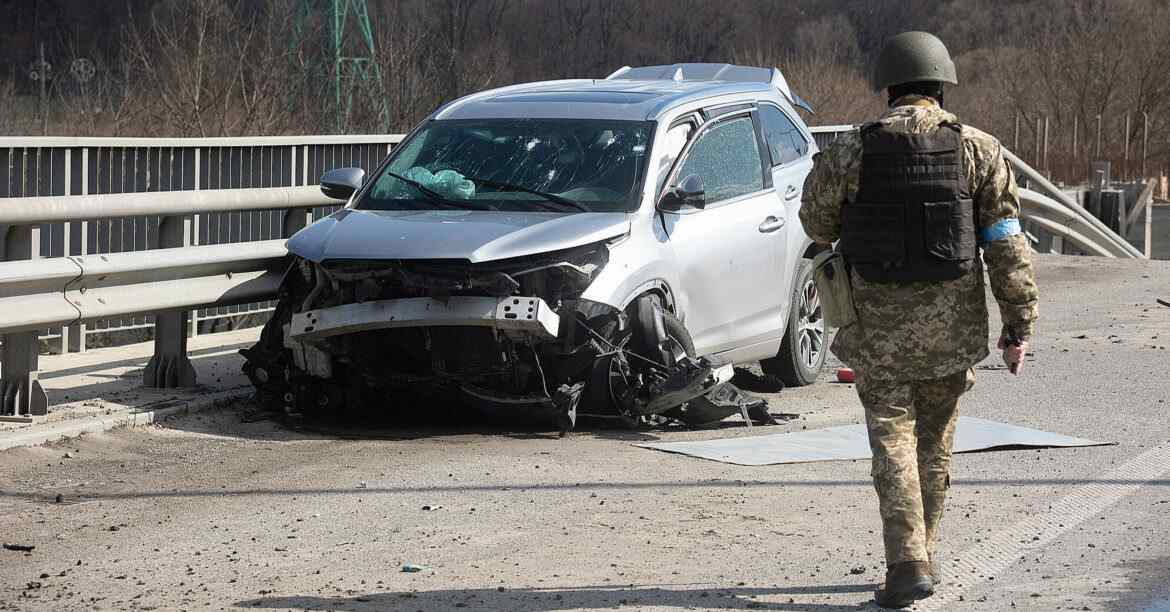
(1077, 219)
(1043, 205)
(40, 293)
(168, 282)
(67, 166)
(148, 232)
(181, 271)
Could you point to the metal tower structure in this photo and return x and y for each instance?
(346, 58)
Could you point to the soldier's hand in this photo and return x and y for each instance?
(1013, 354)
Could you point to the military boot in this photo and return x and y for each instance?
(905, 583)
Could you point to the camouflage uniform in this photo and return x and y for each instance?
(914, 345)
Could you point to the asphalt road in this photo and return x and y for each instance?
(208, 512)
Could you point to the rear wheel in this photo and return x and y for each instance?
(803, 350)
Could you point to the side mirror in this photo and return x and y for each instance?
(340, 183)
(688, 192)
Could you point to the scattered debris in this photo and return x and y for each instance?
(1163, 302)
(254, 413)
(19, 547)
(361, 485)
(430, 507)
(59, 499)
(725, 400)
(845, 375)
(411, 568)
(67, 456)
(757, 383)
(857, 571)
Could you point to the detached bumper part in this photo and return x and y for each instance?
(723, 401)
(516, 316)
(561, 407)
(675, 386)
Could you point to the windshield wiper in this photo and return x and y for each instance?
(551, 197)
(430, 194)
(438, 198)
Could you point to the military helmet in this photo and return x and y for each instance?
(913, 56)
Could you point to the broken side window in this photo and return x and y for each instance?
(727, 158)
(785, 141)
(676, 138)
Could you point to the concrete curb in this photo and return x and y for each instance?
(119, 417)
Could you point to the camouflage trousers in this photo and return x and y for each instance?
(911, 429)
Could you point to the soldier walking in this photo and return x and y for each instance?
(913, 198)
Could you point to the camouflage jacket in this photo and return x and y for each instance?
(927, 330)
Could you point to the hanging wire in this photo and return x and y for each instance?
(618, 349)
(540, 368)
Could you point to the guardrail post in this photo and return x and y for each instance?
(170, 366)
(296, 219)
(77, 331)
(21, 393)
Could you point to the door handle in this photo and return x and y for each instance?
(771, 224)
(791, 193)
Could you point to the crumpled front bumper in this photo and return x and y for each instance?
(517, 317)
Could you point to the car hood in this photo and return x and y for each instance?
(459, 234)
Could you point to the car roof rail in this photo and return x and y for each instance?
(711, 72)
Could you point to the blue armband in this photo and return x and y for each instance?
(1000, 230)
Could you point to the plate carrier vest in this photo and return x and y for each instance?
(913, 219)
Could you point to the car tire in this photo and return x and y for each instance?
(805, 344)
(676, 330)
(642, 315)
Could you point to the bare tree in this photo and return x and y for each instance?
(220, 67)
(97, 104)
(409, 81)
(17, 118)
(204, 68)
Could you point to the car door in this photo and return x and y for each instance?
(725, 253)
(788, 152)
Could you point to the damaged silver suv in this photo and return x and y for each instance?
(554, 250)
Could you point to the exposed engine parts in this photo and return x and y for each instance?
(510, 340)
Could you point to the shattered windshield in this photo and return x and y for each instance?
(557, 165)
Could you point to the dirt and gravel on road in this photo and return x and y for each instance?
(208, 511)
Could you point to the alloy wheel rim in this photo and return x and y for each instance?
(811, 326)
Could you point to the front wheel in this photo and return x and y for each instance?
(803, 350)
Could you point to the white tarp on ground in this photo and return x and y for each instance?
(850, 442)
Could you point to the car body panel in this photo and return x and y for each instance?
(789, 181)
(728, 298)
(475, 236)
